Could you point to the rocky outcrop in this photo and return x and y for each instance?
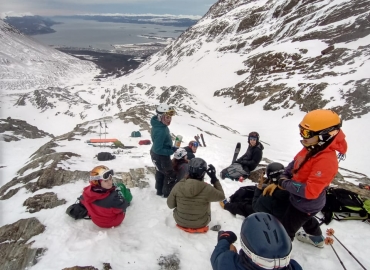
(16, 252)
(43, 201)
(20, 129)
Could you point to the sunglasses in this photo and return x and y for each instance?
(105, 175)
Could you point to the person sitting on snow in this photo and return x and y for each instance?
(275, 205)
(249, 161)
(180, 164)
(191, 149)
(105, 201)
(265, 245)
(190, 198)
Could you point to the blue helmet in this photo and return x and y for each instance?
(197, 168)
(265, 242)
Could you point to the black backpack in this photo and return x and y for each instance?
(77, 210)
(342, 204)
(103, 156)
(243, 194)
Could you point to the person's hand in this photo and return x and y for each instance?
(233, 248)
(211, 171)
(269, 190)
(227, 235)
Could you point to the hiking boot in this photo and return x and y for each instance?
(222, 203)
(317, 241)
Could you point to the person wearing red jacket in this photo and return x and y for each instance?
(104, 201)
(310, 173)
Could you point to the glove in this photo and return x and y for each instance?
(269, 190)
(174, 148)
(228, 235)
(212, 173)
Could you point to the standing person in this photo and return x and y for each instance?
(180, 164)
(105, 201)
(192, 149)
(162, 149)
(310, 173)
(275, 205)
(248, 162)
(265, 245)
(190, 198)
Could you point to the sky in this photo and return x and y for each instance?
(70, 7)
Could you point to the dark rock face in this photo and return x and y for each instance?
(43, 201)
(20, 129)
(15, 253)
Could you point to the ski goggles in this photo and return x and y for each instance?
(195, 144)
(251, 138)
(170, 112)
(266, 263)
(306, 133)
(104, 175)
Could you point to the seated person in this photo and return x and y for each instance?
(190, 198)
(180, 164)
(265, 245)
(275, 205)
(191, 149)
(105, 202)
(249, 161)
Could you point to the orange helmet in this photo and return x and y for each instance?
(319, 122)
(100, 172)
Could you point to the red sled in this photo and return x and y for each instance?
(145, 142)
(101, 140)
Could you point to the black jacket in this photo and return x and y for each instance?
(252, 157)
(275, 205)
(190, 154)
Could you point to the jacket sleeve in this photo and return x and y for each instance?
(256, 158)
(322, 173)
(171, 199)
(158, 143)
(222, 257)
(119, 204)
(215, 193)
(288, 171)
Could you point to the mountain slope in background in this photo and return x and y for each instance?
(26, 64)
(287, 54)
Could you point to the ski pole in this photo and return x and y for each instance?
(330, 232)
(329, 241)
(264, 142)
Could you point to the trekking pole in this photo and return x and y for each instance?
(100, 134)
(329, 241)
(264, 142)
(330, 232)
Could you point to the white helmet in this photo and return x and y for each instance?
(180, 153)
(165, 108)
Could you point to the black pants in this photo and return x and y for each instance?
(241, 208)
(295, 219)
(165, 176)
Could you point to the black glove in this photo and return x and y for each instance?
(174, 148)
(212, 173)
(228, 235)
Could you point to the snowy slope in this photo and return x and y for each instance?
(26, 64)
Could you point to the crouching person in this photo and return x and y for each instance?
(105, 202)
(265, 245)
(191, 197)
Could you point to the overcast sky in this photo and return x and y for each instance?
(67, 7)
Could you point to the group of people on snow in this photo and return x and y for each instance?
(279, 206)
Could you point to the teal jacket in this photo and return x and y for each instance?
(161, 137)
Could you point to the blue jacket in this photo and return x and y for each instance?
(162, 142)
(223, 258)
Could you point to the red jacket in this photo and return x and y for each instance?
(105, 209)
(308, 184)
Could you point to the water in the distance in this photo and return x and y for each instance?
(101, 35)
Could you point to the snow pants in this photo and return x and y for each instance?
(165, 176)
(295, 219)
(241, 208)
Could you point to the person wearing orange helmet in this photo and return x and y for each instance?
(105, 201)
(310, 173)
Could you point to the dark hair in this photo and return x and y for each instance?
(177, 162)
